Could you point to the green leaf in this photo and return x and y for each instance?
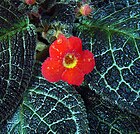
(17, 49)
(114, 38)
(59, 22)
(105, 118)
(49, 108)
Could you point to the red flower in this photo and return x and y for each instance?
(67, 61)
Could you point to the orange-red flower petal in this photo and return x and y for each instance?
(52, 69)
(59, 47)
(75, 44)
(86, 62)
(73, 76)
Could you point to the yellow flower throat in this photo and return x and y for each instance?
(69, 61)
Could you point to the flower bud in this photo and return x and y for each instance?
(85, 10)
(30, 2)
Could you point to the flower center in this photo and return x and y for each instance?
(69, 61)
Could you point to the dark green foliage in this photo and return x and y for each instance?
(114, 39)
(105, 118)
(58, 22)
(49, 108)
(17, 49)
(111, 92)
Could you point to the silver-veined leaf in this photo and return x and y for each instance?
(49, 108)
(17, 49)
(106, 118)
(113, 35)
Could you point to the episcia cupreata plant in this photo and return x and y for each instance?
(108, 100)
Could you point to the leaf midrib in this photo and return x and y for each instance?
(109, 29)
(12, 32)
